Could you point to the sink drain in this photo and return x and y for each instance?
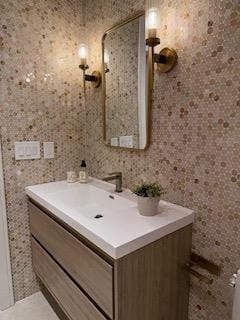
(98, 216)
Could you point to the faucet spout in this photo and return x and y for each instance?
(117, 176)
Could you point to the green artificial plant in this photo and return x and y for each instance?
(148, 190)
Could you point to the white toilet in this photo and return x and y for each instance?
(235, 281)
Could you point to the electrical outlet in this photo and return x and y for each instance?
(48, 150)
(114, 142)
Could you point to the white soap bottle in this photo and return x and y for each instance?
(83, 176)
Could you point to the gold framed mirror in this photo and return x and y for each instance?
(127, 70)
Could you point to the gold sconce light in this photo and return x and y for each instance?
(167, 58)
(95, 78)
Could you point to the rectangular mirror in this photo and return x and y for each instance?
(126, 98)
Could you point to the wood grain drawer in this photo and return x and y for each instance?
(73, 302)
(93, 274)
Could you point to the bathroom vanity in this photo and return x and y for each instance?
(97, 258)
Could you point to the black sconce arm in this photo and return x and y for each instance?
(159, 58)
(91, 78)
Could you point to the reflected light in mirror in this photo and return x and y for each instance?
(106, 61)
(152, 22)
(106, 57)
(83, 52)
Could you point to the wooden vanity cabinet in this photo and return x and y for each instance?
(151, 283)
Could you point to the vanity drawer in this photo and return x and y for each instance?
(93, 274)
(73, 302)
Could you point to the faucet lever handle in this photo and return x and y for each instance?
(117, 173)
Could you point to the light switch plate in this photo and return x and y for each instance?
(27, 150)
(48, 150)
(126, 141)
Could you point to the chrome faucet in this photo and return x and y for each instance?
(117, 176)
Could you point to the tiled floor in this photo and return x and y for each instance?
(32, 308)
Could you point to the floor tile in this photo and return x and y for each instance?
(34, 307)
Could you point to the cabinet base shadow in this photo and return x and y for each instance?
(53, 303)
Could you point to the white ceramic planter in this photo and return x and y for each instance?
(148, 206)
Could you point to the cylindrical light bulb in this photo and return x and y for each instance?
(152, 22)
(82, 52)
(106, 57)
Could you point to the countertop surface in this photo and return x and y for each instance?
(120, 229)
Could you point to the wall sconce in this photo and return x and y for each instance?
(95, 77)
(106, 61)
(167, 58)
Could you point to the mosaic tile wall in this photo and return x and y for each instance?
(122, 45)
(195, 148)
(40, 99)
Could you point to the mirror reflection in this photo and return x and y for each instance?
(125, 85)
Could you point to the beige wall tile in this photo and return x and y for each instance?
(195, 148)
(41, 99)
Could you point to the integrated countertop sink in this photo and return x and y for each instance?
(88, 200)
(109, 220)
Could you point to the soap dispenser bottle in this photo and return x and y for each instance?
(83, 176)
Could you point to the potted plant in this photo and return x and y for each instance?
(148, 197)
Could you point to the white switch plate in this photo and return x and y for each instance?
(48, 150)
(27, 150)
(126, 141)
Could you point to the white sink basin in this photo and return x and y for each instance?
(111, 221)
(89, 201)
